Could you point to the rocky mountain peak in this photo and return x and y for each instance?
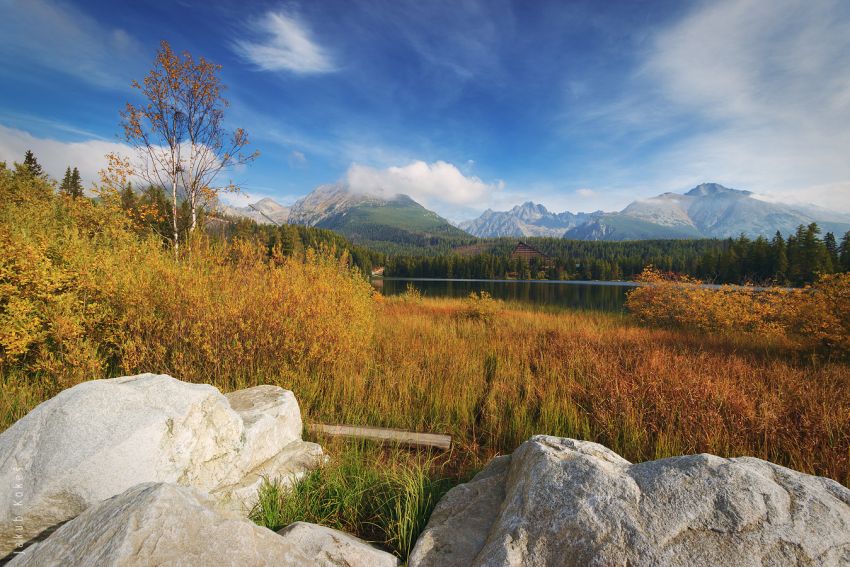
(713, 189)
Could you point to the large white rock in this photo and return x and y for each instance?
(327, 547)
(99, 438)
(174, 526)
(561, 502)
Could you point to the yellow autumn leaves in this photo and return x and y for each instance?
(816, 317)
(83, 295)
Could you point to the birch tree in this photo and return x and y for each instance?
(178, 132)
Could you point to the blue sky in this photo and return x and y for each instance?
(464, 105)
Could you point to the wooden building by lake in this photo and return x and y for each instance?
(525, 252)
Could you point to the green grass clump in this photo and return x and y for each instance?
(384, 498)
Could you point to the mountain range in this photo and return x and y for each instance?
(708, 210)
(363, 218)
(528, 219)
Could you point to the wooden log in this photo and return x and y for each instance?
(400, 436)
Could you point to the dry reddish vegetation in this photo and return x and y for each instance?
(646, 393)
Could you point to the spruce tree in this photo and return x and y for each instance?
(65, 186)
(832, 251)
(780, 258)
(76, 184)
(33, 167)
(844, 253)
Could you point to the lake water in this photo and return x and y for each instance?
(598, 296)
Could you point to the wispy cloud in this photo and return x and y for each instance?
(285, 45)
(771, 84)
(62, 38)
(751, 94)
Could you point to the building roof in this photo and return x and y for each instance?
(524, 251)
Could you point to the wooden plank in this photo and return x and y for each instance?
(400, 436)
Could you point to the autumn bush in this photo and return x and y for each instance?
(480, 306)
(84, 295)
(230, 315)
(815, 318)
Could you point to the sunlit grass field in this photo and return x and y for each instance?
(646, 393)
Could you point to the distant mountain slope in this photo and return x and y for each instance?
(365, 218)
(528, 219)
(708, 210)
(264, 211)
(618, 226)
(717, 211)
(362, 218)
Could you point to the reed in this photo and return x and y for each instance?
(646, 393)
(383, 496)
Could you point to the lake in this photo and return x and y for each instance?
(592, 295)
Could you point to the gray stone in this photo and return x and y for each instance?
(99, 438)
(174, 526)
(574, 503)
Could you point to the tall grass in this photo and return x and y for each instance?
(382, 496)
(647, 393)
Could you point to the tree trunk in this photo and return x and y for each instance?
(174, 214)
(194, 213)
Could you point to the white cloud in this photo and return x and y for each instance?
(286, 46)
(771, 82)
(62, 38)
(437, 185)
(54, 156)
(585, 193)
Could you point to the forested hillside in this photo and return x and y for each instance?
(796, 260)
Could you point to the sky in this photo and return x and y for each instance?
(463, 105)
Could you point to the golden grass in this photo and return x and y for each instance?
(645, 393)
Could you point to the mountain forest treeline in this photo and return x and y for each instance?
(795, 260)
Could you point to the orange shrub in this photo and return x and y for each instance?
(816, 317)
(820, 318)
(221, 322)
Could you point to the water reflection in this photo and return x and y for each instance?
(599, 296)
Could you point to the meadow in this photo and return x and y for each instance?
(86, 293)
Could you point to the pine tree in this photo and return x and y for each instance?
(65, 186)
(844, 253)
(832, 251)
(76, 184)
(33, 167)
(780, 257)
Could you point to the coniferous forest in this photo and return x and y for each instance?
(797, 259)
